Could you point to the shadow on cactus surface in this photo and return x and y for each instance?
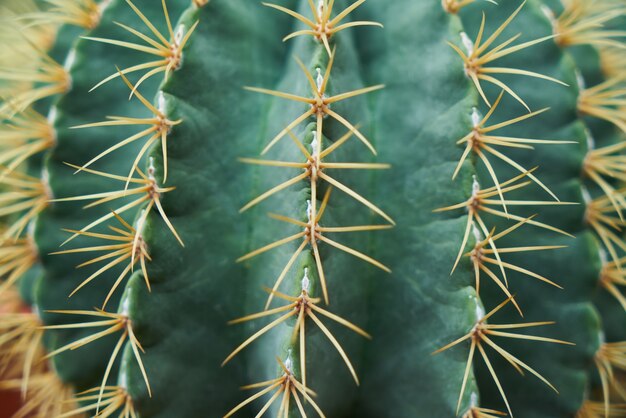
(333, 208)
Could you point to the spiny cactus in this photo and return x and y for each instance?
(344, 208)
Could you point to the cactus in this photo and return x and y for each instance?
(313, 208)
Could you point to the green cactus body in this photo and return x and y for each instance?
(424, 178)
(605, 135)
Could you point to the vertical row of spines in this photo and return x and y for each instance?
(583, 29)
(136, 197)
(314, 152)
(126, 247)
(488, 256)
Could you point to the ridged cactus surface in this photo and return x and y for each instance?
(327, 208)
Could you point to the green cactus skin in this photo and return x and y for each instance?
(430, 307)
(175, 336)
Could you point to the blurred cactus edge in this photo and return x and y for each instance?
(322, 208)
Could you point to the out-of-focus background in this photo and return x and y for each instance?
(10, 400)
(9, 404)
